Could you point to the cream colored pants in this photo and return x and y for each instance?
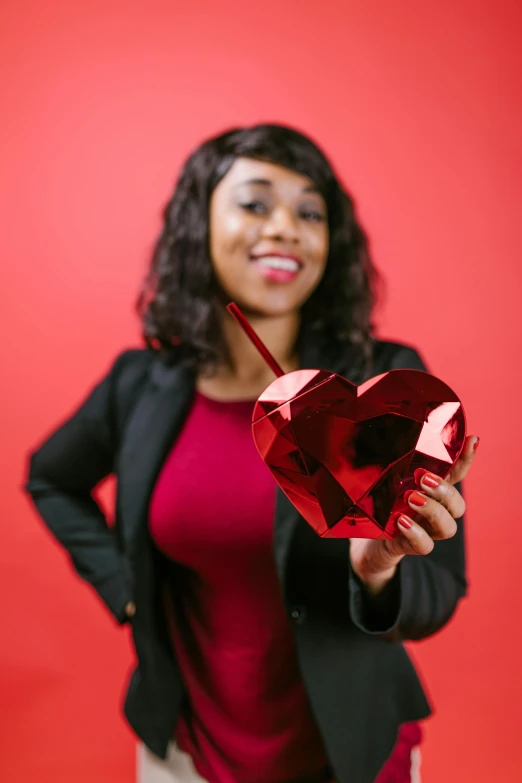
(178, 767)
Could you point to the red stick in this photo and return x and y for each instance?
(236, 313)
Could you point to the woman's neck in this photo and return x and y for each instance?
(247, 373)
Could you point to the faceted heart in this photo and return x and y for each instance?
(345, 455)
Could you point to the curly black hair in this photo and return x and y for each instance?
(180, 303)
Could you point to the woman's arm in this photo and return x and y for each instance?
(423, 591)
(62, 474)
(419, 599)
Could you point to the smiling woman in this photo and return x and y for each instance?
(269, 236)
(264, 653)
(266, 202)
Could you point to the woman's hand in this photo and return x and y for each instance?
(436, 507)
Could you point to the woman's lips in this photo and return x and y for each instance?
(279, 269)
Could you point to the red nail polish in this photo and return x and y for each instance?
(419, 473)
(476, 444)
(430, 480)
(416, 498)
(404, 522)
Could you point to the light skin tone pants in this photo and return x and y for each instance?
(178, 767)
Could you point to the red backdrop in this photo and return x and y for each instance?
(419, 106)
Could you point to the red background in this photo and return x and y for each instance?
(418, 104)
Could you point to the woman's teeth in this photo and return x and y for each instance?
(276, 262)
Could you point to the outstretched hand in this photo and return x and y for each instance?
(434, 510)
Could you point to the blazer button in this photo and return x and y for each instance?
(298, 614)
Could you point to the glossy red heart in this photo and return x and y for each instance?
(345, 455)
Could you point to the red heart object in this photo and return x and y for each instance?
(344, 455)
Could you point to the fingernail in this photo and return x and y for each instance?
(404, 522)
(412, 496)
(419, 473)
(476, 444)
(430, 480)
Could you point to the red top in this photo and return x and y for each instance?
(247, 715)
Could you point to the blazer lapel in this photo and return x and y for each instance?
(150, 433)
(349, 364)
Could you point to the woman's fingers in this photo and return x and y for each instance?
(437, 519)
(414, 540)
(435, 506)
(463, 464)
(443, 492)
(439, 503)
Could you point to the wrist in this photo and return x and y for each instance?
(374, 563)
(375, 583)
(374, 570)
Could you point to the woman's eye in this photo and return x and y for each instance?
(257, 207)
(312, 215)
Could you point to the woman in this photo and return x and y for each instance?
(265, 654)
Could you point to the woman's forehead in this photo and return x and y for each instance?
(262, 172)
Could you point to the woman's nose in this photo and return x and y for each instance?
(281, 224)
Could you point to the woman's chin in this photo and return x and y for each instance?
(267, 309)
(267, 304)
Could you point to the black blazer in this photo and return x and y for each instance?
(359, 679)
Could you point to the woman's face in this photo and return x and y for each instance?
(268, 237)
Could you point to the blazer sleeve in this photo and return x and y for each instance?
(426, 589)
(62, 474)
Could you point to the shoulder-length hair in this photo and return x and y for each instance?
(180, 304)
